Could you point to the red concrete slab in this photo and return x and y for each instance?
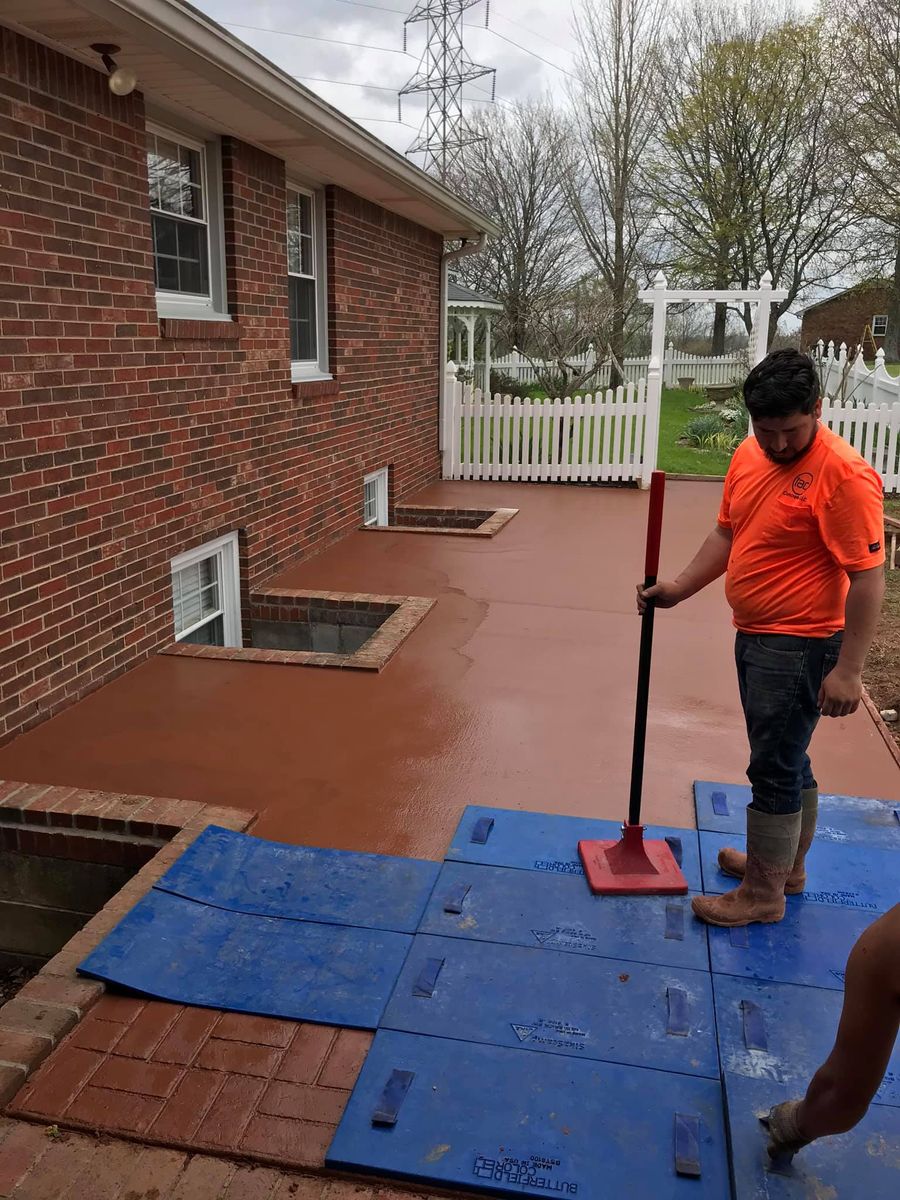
(517, 690)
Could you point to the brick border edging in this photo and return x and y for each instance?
(52, 1003)
(881, 726)
(374, 655)
(488, 528)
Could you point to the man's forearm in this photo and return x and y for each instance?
(861, 613)
(708, 563)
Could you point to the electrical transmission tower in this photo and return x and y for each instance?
(442, 71)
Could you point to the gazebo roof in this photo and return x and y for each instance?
(461, 299)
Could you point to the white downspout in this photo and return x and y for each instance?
(463, 251)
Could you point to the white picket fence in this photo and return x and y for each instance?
(705, 371)
(843, 379)
(873, 430)
(602, 437)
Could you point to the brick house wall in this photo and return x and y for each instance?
(129, 439)
(844, 318)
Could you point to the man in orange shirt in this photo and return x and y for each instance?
(799, 538)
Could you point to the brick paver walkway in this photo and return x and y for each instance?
(42, 1163)
(200, 1079)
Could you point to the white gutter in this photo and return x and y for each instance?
(192, 35)
(451, 256)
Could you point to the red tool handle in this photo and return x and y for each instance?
(654, 523)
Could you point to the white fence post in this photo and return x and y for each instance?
(763, 309)
(451, 418)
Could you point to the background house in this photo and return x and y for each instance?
(220, 311)
(849, 316)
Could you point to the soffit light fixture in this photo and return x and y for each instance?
(122, 80)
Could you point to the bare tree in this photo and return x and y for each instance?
(749, 174)
(615, 122)
(869, 40)
(514, 175)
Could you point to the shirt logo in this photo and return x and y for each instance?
(801, 483)
(874, 547)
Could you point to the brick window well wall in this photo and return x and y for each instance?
(127, 439)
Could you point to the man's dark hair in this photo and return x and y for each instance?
(784, 383)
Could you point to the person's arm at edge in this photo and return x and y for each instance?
(841, 690)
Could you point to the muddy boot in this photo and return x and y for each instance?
(771, 849)
(734, 862)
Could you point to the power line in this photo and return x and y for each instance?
(313, 38)
(540, 36)
(496, 33)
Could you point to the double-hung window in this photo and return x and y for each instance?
(375, 498)
(206, 594)
(185, 214)
(306, 284)
(879, 325)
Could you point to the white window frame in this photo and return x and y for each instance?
(380, 480)
(225, 551)
(214, 306)
(882, 317)
(317, 368)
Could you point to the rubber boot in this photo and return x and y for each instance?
(772, 841)
(734, 862)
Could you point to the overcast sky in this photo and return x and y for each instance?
(529, 42)
(366, 80)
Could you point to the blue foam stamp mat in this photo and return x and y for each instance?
(863, 1164)
(810, 946)
(523, 908)
(455, 1114)
(273, 879)
(503, 837)
(551, 1003)
(783, 1033)
(840, 875)
(721, 808)
(174, 949)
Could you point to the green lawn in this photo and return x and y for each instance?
(674, 414)
(892, 506)
(891, 368)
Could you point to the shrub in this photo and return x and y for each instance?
(699, 429)
(506, 385)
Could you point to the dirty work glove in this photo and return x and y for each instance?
(785, 1138)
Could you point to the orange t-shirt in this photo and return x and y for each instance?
(797, 529)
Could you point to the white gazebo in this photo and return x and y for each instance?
(464, 307)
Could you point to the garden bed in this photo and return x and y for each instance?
(882, 674)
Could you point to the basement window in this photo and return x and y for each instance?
(375, 498)
(206, 594)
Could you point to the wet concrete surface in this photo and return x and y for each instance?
(517, 690)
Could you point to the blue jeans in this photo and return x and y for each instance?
(779, 678)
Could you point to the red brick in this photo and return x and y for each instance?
(24, 1048)
(153, 1174)
(298, 1143)
(148, 1029)
(119, 1112)
(252, 1183)
(91, 1034)
(141, 1078)
(203, 1178)
(264, 1031)
(58, 1080)
(304, 1103)
(12, 1076)
(187, 1106)
(60, 1169)
(19, 1151)
(346, 1059)
(239, 1058)
(231, 1110)
(175, 419)
(183, 1040)
(123, 1009)
(307, 1053)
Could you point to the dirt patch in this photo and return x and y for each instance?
(14, 977)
